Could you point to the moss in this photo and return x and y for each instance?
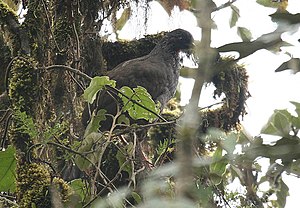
(9, 18)
(63, 188)
(161, 133)
(37, 29)
(63, 32)
(116, 52)
(6, 13)
(22, 87)
(33, 181)
(232, 81)
(5, 57)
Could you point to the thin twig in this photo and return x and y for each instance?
(227, 4)
(106, 185)
(68, 68)
(9, 201)
(6, 128)
(223, 6)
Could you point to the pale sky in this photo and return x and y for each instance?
(269, 90)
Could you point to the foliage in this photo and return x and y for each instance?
(7, 167)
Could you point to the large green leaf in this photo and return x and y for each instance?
(138, 95)
(81, 189)
(218, 167)
(285, 17)
(267, 41)
(297, 105)
(279, 124)
(294, 168)
(94, 124)
(7, 170)
(91, 151)
(95, 86)
(282, 193)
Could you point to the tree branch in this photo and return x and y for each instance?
(191, 118)
(75, 71)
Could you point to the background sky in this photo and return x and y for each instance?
(269, 90)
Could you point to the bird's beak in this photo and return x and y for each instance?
(190, 50)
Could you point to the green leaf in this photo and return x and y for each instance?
(235, 14)
(80, 188)
(294, 168)
(122, 158)
(97, 84)
(279, 124)
(285, 17)
(266, 41)
(219, 164)
(141, 96)
(244, 33)
(136, 197)
(88, 150)
(94, 124)
(296, 122)
(229, 143)
(122, 119)
(8, 170)
(268, 3)
(26, 124)
(282, 193)
(297, 105)
(292, 64)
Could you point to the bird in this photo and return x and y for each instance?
(157, 72)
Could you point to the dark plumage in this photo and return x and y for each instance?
(158, 72)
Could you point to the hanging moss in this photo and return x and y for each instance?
(33, 182)
(231, 80)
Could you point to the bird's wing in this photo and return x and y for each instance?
(145, 71)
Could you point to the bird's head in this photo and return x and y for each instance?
(179, 40)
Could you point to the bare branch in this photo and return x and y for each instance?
(68, 68)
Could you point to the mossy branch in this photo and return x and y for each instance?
(9, 18)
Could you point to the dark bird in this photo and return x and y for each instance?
(158, 72)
